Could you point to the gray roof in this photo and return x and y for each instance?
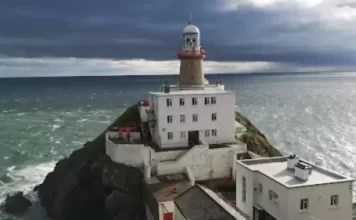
(195, 204)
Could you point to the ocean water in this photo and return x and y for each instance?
(45, 119)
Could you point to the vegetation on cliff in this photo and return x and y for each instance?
(255, 140)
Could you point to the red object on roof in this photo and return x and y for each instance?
(168, 216)
(127, 129)
(146, 102)
(191, 55)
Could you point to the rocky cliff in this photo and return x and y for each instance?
(87, 185)
(255, 140)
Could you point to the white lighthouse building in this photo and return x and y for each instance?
(188, 127)
(193, 110)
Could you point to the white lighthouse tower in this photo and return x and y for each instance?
(192, 111)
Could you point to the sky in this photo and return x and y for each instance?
(140, 37)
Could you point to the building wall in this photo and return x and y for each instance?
(225, 123)
(319, 202)
(245, 206)
(129, 154)
(191, 72)
(278, 210)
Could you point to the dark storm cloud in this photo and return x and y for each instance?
(151, 30)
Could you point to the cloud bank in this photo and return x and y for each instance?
(142, 37)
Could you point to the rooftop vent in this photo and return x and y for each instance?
(302, 171)
(292, 160)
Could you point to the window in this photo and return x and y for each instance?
(183, 135)
(182, 118)
(169, 119)
(244, 189)
(195, 118)
(213, 100)
(207, 100)
(169, 102)
(207, 133)
(334, 200)
(170, 135)
(213, 117)
(194, 101)
(304, 203)
(181, 101)
(260, 189)
(214, 132)
(273, 196)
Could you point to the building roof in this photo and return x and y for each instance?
(191, 28)
(167, 188)
(197, 204)
(276, 168)
(191, 92)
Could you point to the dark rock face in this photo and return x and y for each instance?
(16, 203)
(88, 185)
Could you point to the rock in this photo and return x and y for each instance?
(16, 203)
(255, 140)
(88, 185)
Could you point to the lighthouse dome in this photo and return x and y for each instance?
(191, 28)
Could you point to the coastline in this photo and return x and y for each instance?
(88, 180)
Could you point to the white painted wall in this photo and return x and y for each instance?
(129, 154)
(319, 202)
(225, 123)
(278, 210)
(288, 207)
(245, 206)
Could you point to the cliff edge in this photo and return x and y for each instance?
(88, 185)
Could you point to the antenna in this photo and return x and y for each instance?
(191, 18)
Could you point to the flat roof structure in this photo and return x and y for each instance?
(167, 188)
(276, 169)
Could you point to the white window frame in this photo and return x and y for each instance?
(194, 101)
(207, 100)
(169, 119)
(213, 101)
(334, 200)
(169, 102)
(182, 118)
(170, 135)
(214, 133)
(195, 118)
(181, 102)
(214, 116)
(207, 133)
(304, 204)
(183, 135)
(243, 188)
(273, 196)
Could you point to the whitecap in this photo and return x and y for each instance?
(25, 179)
(82, 120)
(55, 127)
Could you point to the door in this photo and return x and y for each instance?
(193, 138)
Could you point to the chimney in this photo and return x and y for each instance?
(302, 171)
(292, 160)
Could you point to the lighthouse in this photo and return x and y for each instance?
(191, 58)
(192, 111)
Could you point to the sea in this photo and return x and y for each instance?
(44, 119)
